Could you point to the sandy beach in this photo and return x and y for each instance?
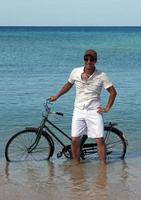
(60, 180)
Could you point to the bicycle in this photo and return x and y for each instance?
(38, 143)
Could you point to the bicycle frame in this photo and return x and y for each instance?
(57, 128)
(44, 127)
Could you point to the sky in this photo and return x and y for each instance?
(70, 12)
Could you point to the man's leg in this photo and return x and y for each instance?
(101, 148)
(78, 128)
(75, 149)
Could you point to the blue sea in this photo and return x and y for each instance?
(35, 62)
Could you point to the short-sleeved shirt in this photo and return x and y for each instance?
(88, 92)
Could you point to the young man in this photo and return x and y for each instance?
(87, 115)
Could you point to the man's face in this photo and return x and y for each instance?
(89, 61)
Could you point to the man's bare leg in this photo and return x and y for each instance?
(101, 148)
(75, 149)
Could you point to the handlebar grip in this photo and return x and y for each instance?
(59, 113)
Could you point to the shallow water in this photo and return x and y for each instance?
(63, 180)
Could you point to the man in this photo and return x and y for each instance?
(87, 115)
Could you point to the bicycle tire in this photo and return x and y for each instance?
(115, 144)
(17, 147)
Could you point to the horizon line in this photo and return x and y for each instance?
(87, 26)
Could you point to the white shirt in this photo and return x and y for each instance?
(88, 92)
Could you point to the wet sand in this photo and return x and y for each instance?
(61, 180)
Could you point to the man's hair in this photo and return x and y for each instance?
(92, 53)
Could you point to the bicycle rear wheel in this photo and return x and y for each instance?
(17, 148)
(115, 145)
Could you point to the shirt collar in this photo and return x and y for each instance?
(93, 74)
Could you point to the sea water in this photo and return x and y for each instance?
(35, 62)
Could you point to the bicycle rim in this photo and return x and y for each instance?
(17, 148)
(115, 143)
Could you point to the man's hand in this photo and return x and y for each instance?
(53, 98)
(102, 110)
(112, 96)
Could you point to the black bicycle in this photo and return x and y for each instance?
(38, 143)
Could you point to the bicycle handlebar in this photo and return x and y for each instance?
(59, 113)
(48, 109)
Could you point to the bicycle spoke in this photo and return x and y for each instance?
(18, 148)
(115, 145)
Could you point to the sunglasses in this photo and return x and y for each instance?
(89, 59)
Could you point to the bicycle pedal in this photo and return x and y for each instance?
(59, 154)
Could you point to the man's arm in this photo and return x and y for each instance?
(112, 96)
(63, 90)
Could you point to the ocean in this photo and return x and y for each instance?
(35, 62)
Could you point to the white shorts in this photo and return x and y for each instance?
(88, 122)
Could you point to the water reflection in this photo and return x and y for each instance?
(101, 179)
(124, 172)
(64, 180)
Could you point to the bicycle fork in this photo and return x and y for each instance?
(39, 133)
(35, 143)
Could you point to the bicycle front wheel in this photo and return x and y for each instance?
(17, 148)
